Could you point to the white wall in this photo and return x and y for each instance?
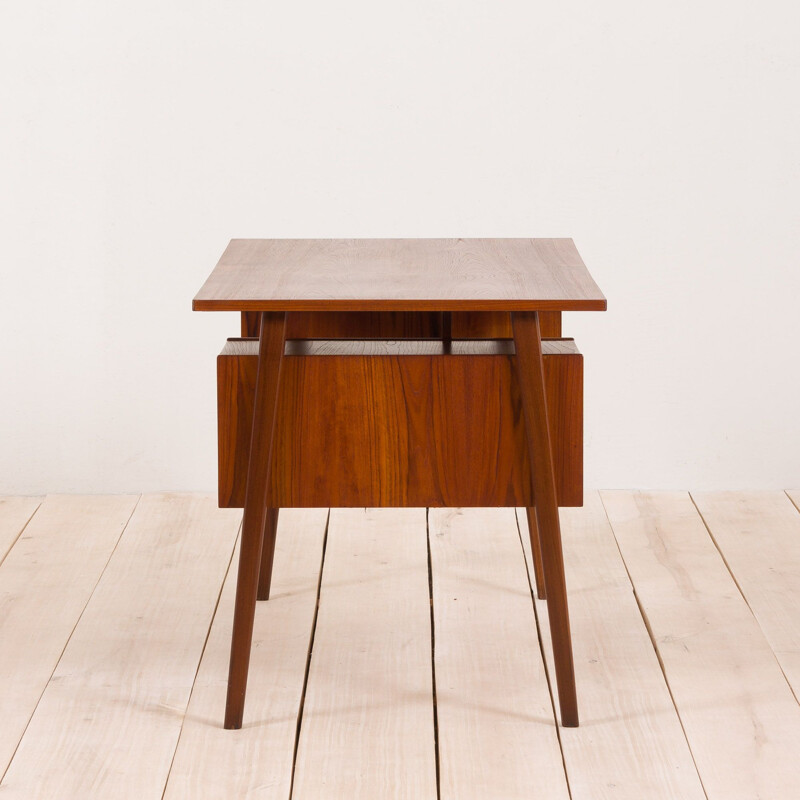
(137, 138)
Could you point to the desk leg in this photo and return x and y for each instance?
(536, 552)
(530, 376)
(267, 552)
(270, 359)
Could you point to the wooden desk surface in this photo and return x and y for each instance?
(400, 275)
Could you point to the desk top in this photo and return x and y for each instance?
(400, 275)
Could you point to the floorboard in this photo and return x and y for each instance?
(45, 582)
(630, 744)
(685, 643)
(497, 734)
(15, 512)
(256, 761)
(738, 712)
(758, 534)
(367, 724)
(108, 722)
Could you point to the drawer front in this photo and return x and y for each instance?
(405, 427)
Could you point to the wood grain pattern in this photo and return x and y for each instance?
(363, 325)
(388, 431)
(15, 512)
(367, 726)
(236, 391)
(108, 722)
(630, 744)
(255, 762)
(399, 275)
(406, 431)
(45, 582)
(497, 324)
(758, 534)
(251, 324)
(739, 715)
(492, 701)
(399, 324)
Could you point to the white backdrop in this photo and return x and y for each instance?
(137, 138)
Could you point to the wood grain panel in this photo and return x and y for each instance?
(251, 324)
(497, 324)
(364, 325)
(236, 391)
(400, 324)
(399, 429)
(400, 275)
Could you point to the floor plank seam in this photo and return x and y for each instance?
(544, 657)
(722, 556)
(631, 717)
(308, 658)
(653, 642)
(742, 593)
(433, 657)
(74, 628)
(200, 659)
(19, 534)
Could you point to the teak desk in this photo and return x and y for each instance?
(399, 372)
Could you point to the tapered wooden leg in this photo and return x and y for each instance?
(530, 375)
(267, 552)
(536, 552)
(270, 359)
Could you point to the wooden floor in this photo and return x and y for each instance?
(401, 654)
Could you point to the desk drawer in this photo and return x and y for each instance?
(378, 423)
